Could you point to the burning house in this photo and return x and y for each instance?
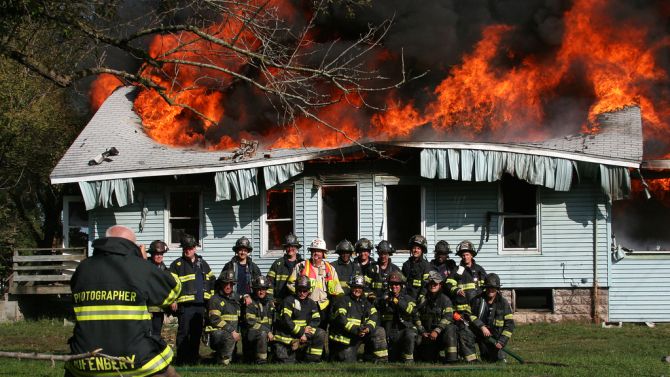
(536, 157)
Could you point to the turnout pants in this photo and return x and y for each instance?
(489, 352)
(311, 351)
(223, 344)
(189, 332)
(255, 346)
(157, 323)
(375, 347)
(466, 342)
(429, 350)
(401, 344)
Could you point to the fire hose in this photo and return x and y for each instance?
(459, 317)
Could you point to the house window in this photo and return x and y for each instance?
(519, 218)
(534, 299)
(339, 214)
(278, 217)
(403, 214)
(75, 223)
(184, 217)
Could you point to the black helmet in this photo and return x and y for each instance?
(357, 281)
(242, 242)
(344, 247)
(396, 277)
(260, 282)
(442, 247)
(363, 244)
(227, 276)
(492, 281)
(158, 246)
(466, 246)
(187, 241)
(385, 247)
(291, 240)
(420, 241)
(302, 282)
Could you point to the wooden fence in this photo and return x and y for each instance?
(44, 271)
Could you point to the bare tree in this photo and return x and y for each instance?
(221, 43)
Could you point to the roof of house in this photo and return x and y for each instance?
(619, 143)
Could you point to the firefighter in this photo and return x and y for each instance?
(492, 317)
(465, 285)
(324, 281)
(354, 321)
(282, 268)
(383, 268)
(416, 268)
(363, 248)
(110, 292)
(445, 266)
(344, 266)
(436, 330)
(398, 314)
(156, 251)
(244, 268)
(258, 318)
(298, 335)
(197, 288)
(223, 312)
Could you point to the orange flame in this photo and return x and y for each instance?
(101, 88)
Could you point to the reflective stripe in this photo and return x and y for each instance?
(283, 339)
(408, 356)
(296, 329)
(416, 282)
(230, 317)
(315, 351)
(452, 349)
(186, 298)
(272, 274)
(371, 323)
(410, 307)
(207, 295)
(342, 311)
(210, 274)
(300, 322)
(509, 316)
(323, 304)
(174, 293)
(287, 311)
(214, 312)
(467, 286)
(151, 367)
(507, 334)
(339, 338)
(499, 323)
(471, 357)
(111, 312)
(377, 285)
(281, 278)
(463, 307)
(381, 353)
(186, 278)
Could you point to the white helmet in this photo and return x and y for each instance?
(318, 244)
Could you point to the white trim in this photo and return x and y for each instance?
(501, 241)
(537, 151)
(264, 252)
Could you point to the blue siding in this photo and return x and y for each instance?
(639, 291)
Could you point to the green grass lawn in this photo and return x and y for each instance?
(571, 349)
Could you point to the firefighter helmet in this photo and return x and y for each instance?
(187, 241)
(260, 282)
(357, 281)
(466, 246)
(291, 240)
(227, 276)
(385, 247)
(302, 283)
(492, 281)
(435, 277)
(318, 244)
(158, 247)
(242, 243)
(420, 241)
(363, 244)
(344, 247)
(442, 247)
(396, 277)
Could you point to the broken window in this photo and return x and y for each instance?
(75, 224)
(278, 216)
(339, 206)
(184, 210)
(403, 214)
(534, 299)
(519, 218)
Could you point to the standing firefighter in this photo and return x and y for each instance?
(344, 266)
(363, 249)
(111, 291)
(466, 285)
(416, 267)
(398, 314)
(258, 320)
(445, 266)
(282, 268)
(355, 321)
(383, 268)
(223, 314)
(324, 282)
(156, 251)
(197, 288)
(437, 333)
(243, 267)
(298, 334)
(492, 317)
